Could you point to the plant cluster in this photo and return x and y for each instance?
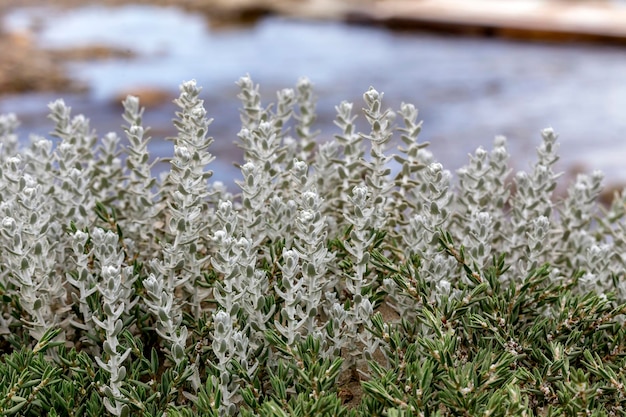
(339, 280)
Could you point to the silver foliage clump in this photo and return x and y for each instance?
(291, 253)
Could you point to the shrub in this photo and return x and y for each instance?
(327, 285)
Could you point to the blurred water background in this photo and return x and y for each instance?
(468, 90)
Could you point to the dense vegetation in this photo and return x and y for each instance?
(339, 280)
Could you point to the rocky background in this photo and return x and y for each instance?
(26, 68)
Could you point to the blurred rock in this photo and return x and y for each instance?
(148, 96)
(25, 68)
(91, 52)
(610, 191)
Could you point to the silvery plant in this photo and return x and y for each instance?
(341, 277)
